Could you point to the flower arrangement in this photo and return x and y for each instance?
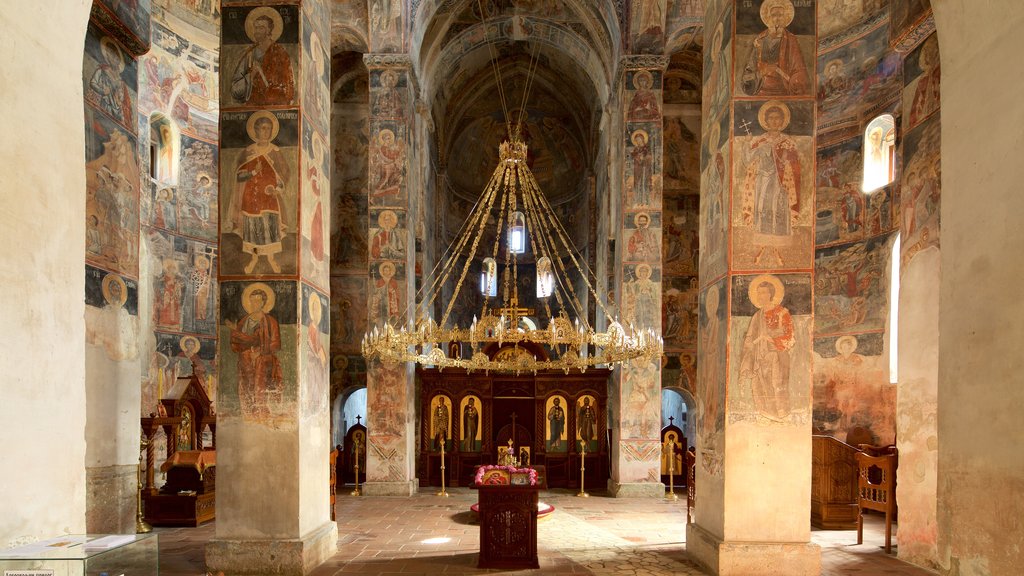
(509, 471)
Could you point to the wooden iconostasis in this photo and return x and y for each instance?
(552, 418)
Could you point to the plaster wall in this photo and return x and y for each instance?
(981, 380)
(44, 355)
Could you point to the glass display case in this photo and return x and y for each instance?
(84, 555)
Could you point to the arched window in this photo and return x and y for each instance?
(879, 152)
(163, 150)
(894, 310)
(489, 277)
(545, 278)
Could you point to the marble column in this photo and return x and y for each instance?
(273, 502)
(636, 397)
(390, 409)
(756, 277)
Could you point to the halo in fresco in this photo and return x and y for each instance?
(780, 291)
(271, 297)
(250, 22)
(250, 125)
(763, 113)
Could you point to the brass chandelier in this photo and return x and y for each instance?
(513, 200)
(518, 339)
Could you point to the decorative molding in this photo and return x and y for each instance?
(912, 39)
(384, 60)
(643, 62)
(111, 24)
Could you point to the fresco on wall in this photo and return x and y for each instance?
(679, 317)
(111, 313)
(203, 14)
(679, 369)
(717, 70)
(386, 30)
(771, 336)
(642, 233)
(388, 164)
(388, 234)
(112, 195)
(775, 43)
(836, 16)
(259, 369)
(387, 293)
(641, 295)
(841, 211)
(921, 94)
(163, 208)
(175, 356)
(349, 182)
(644, 103)
(315, 206)
(906, 14)
(133, 15)
(851, 293)
(681, 154)
(641, 411)
(314, 352)
(711, 374)
(197, 189)
(772, 205)
(110, 77)
(647, 26)
(556, 418)
(317, 13)
(348, 321)
(316, 78)
(680, 249)
(714, 201)
(851, 387)
(258, 221)
(259, 51)
(642, 172)
(385, 402)
(862, 72)
(920, 191)
(179, 79)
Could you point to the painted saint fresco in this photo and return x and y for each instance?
(647, 26)
(717, 86)
(315, 346)
(643, 237)
(641, 388)
(921, 94)
(851, 386)
(388, 234)
(260, 48)
(555, 421)
(775, 42)
(259, 370)
(772, 209)
(387, 295)
(855, 74)
(316, 79)
(385, 404)
(315, 205)
(471, 429)
(198, 189)
(641, 295)
(714, 201)
(680, 248)
(258, 221)
(388, 160)
(588, 424)
(851, 292)
(441, 423)
(112, 195)
(349, 184)
(642, 166)
(711, 373)
(920, 194)
(844, 212)
(644, 105)
(178, 78)
(771, 323)
(317, 17)
(111, 313)
(681, 154)
(348, 322)
(110, 78)
(385, 25)
(679, 319)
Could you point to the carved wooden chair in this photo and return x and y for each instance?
(876, 490)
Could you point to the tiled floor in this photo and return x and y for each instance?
(597, 535)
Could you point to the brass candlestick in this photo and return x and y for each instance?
(443, 493)
(141, 526)
(583, 459)
(671, 472)
(355, 452)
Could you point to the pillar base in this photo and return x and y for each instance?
(391, 488)
(636, 489)
(285, 557)
(735, 558)
(110, 501)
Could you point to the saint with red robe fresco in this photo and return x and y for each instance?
(263, 75)
(776, 66)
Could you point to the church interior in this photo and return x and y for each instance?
(738, 269)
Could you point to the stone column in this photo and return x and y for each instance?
(273, 506)
(390, 408)
(756, 268)
(636, 449)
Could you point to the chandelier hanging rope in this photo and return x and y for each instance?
(513, 206)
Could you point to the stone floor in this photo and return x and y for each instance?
(597, 535)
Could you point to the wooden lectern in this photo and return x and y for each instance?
(508, 526)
